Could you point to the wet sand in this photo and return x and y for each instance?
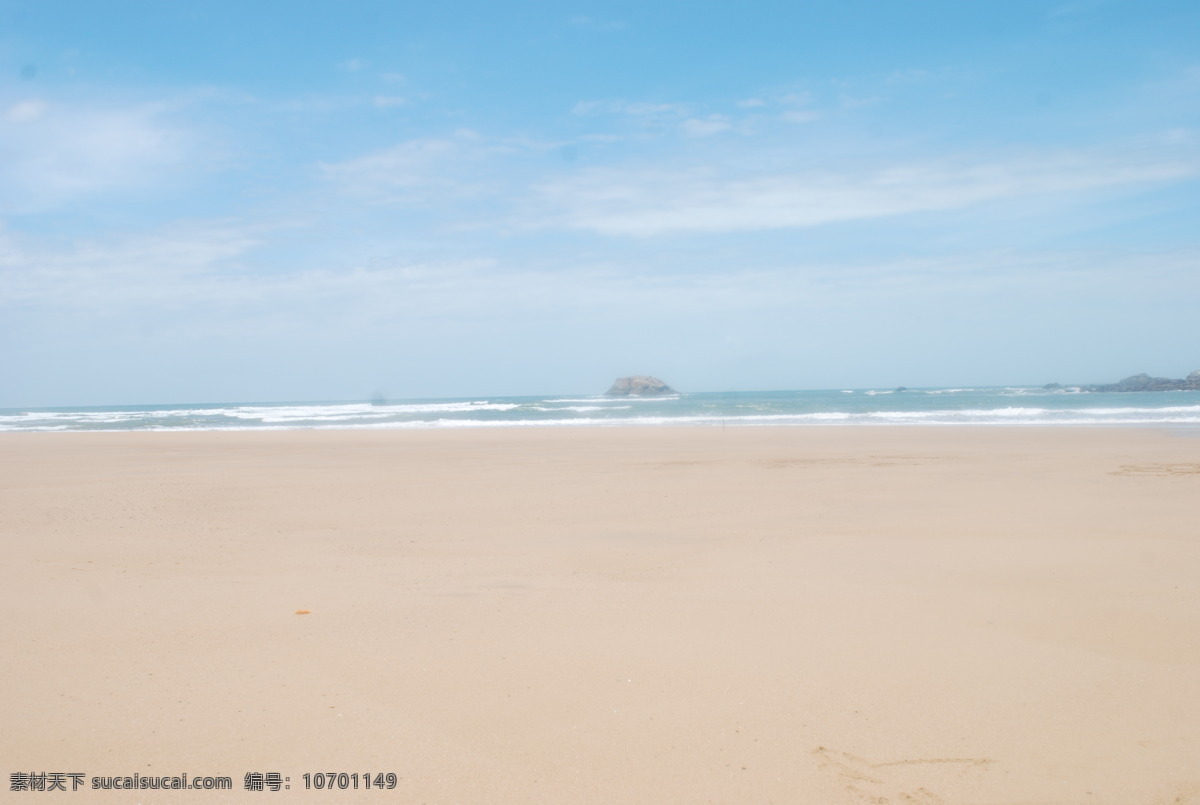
(633, 615)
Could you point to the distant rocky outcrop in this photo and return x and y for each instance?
(1144, 382)
(639, 386)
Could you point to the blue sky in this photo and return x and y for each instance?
(208, 202)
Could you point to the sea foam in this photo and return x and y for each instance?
(934, 407)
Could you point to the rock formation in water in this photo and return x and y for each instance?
(1143, 382)
(639, 386)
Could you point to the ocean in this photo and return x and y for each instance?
(925, 406)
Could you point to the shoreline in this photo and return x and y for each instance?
(932, 407)
(827, 613)
(1181, 428)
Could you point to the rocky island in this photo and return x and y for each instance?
(639, 386)
(1144, 382)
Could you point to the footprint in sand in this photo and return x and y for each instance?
(892, 782)
(1159, 470)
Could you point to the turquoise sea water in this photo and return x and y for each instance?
(930, 407)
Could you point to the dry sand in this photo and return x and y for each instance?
(674, 615)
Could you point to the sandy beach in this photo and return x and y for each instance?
(608, 615)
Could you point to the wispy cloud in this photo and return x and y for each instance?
(115, 272)
(800, 116)
(421, 171)
(26, 111)
(207, 273)
(706, 126)
(638, 109)
(409, 163)
(655, 202)
(388, 101)
(56, 153)
(792, 106)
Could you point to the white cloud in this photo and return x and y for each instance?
(638, 109)
(406, 164)
(212, 278)
(211, 273)
(592, 107)
(802, 98)
(703, 127)
(26, 111)
(800, 116)
(58, 154)
(352, 65)
(859, 101)
(111, 273)
(220, 297)
(340, 103)
(312, 103)
(459, 159)
(387, 101)
(911, 76)
(421, 171)
(650, 202)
